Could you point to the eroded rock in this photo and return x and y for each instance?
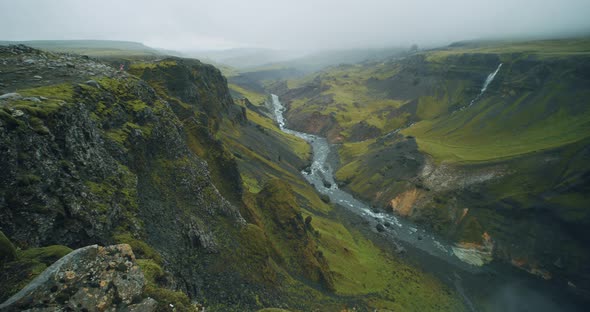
(91, 278)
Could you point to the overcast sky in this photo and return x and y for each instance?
(288, 24)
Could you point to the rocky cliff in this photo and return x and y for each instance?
(101, 161)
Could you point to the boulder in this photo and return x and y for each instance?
(380, 227)
(91, 278)
(10, 96)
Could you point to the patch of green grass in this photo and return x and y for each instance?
(63, 92)
(23, 266)
(254, 97)
(300, 146)
(539, 48)
(443, 140)
(120, 135)
(168, 300)
(47, 255)
(140, 248)
(353, 100)
(251, 183)
(7, 250)
(508, 124)
(361, 268)
(138, 68)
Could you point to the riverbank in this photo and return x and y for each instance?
(492, 287)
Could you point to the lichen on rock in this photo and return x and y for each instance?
(91, 278)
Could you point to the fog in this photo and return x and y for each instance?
(289, 24)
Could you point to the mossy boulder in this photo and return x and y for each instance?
(88, 278)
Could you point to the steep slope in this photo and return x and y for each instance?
(507, 168)
(361, 275)
(169, 164)
(106, 161)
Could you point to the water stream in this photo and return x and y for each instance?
(321, 176)
(486, 83)
(496, 286)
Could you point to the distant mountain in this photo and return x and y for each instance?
(250, 60)
(244, 57)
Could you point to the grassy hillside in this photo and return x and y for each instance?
(510, 165)
(517, 116)
(361, 273)
(292, 251)
(392, 94)
(344, 93)
(540, 48)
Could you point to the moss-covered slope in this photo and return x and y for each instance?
(509, 166)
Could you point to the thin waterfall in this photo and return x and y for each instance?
(486, 83)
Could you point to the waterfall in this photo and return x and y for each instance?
(486, 83)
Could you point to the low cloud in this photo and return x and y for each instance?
(286, 24)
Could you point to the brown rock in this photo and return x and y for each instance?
(403, 204)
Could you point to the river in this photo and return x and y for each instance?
(492, 287)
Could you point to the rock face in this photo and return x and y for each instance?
(404, 202)
(91, 278)
(89, 165)
(475, 254)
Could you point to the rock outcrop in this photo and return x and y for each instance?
(92, 162)
(91, 278)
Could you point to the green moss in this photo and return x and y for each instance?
(471, 231)
(169, 300)
(136, 105)
(6, 116)
(353, 100)
(46, 255)
(254, 97)
(501, 127)
(17, 274)
(152, 272)
(63, 92)
(361, 268)
(120, 135)
(259, 250)
(121, 188)
(140, 248)
(27, 265)
(27, 179)
(42, 110)
(155, 279)
(7, 250)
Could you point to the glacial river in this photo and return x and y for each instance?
(493, 287)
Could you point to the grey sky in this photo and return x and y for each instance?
(288, 24)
